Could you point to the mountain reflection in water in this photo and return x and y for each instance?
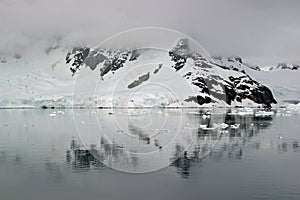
(229, 156)
(229, 142)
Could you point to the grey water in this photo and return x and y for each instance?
(159, 154)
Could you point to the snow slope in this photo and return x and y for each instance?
(206, 81)
(83, 76)
(282, 79)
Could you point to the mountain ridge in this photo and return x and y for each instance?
(203, 75)
(42, 77)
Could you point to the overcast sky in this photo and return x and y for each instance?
(261, 31)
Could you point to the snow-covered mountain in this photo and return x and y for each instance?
(214, 81)
(85, 76)
(233, 63)
(283, 79)
(285, 66)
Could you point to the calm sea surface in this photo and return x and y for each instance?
(148, 154)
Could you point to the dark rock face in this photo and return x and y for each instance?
(247, 88)
(79, 55)
(112, 60)
(292, 101)
(114, 63)
(202, 74)
(285, 66)
(106, 67)
(119, 60)
(238, 59)
(201, 83)
(178, 59)
(295, 67)
(199, 100)
(157, 70)
(138, 82)
(230, 93)
(234, 89)
(93, 59)
(180, 53)
(135, 54)
(255, 67)
(262, 95)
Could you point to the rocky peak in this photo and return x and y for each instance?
(209, 85)
(286, 66)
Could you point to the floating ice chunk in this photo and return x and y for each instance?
(246, 111)
(243, 112)
(206, 128)
(209, 128)
(203, 126)
(205, 116)
(293, 108)
(224, 126)
(235, 126)
(60, 112)
(52, 114)
(262, 113)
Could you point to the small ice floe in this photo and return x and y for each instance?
(53, 114)
(243, 112)
(207, 128)
(280, 137)
(235, 126)
(203, 126)
(285, 114)
(225, 132)
(82, 122)
(263, 113)
(205, 116)
(215, 126)
(60, 112)
(194, 113)
(224, 126)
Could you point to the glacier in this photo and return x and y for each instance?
(65, 77)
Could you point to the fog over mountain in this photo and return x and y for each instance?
(262, 32)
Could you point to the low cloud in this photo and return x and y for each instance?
(260, 31)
